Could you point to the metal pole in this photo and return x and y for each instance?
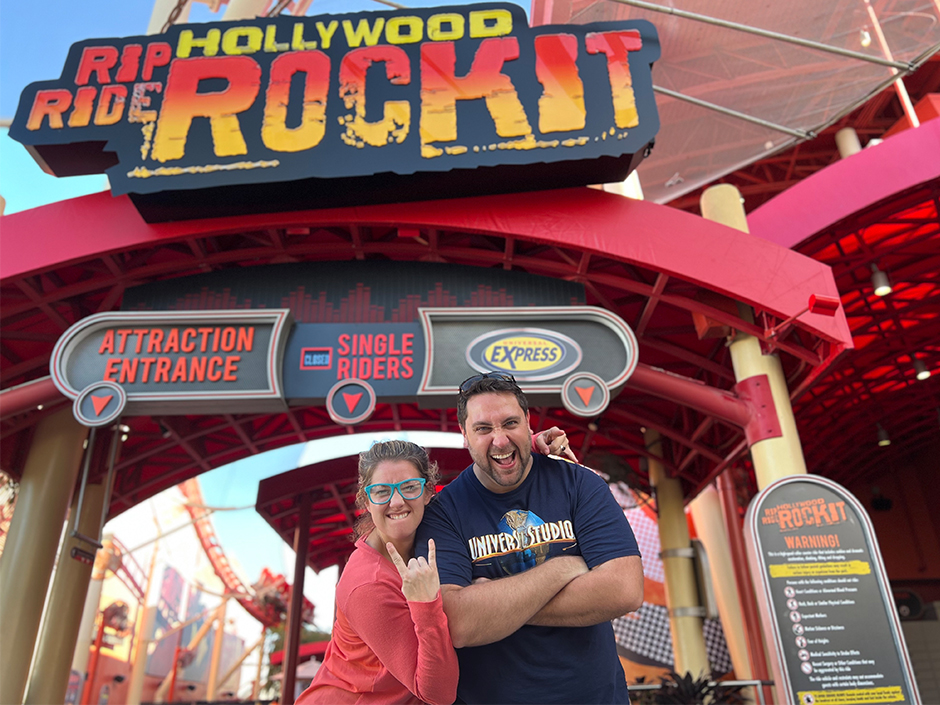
(136, 686)
(295, 615)
(89, 449)
(256, 688)
(171, 687)
(145, 619)
(90, 611)
(49, 678)
(907, 67)
(241, 659)
(682, 600)
(755, 640)
(93, 666)
(706, 512)
(109, 483)
(35, 532)
(801, 134)
(211, 683)
(773, 458)
(899, 86)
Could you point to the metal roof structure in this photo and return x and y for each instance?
(654, 266)
(796, 90)
(673, 264)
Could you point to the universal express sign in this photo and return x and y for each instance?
(242, 361)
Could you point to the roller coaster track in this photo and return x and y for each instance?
(195, 505)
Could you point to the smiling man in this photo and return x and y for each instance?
(535, 559)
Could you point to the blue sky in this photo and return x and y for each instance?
(34, 41)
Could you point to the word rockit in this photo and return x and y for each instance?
(204, 105)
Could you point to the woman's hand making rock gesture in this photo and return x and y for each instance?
(419, 578)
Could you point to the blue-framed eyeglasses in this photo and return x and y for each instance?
(381, 492)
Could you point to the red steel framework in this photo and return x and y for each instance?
(651, 265)
(86, 268)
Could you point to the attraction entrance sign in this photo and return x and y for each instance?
(827, 608)
(370, 107)
(215, 362)
(232, 361)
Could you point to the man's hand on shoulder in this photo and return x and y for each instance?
(553, 441)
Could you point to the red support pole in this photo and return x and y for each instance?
(171, 691)
(26, 397)
(742, 576)
(93, 664)
(295, 615)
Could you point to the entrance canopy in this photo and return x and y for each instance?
(656, 268)
(797, 90)
(877, 208)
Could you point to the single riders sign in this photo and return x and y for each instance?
(461, 100)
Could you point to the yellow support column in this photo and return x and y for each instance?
(29, 555)
(136, 686)
(710, 527)
(682, 600)
(774, 458)
(49, 678)
(212, 683)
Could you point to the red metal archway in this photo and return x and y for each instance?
(651, 265)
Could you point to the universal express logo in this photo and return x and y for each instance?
(529, 354)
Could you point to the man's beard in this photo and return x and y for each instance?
(497, 473)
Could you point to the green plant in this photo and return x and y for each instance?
(685, 689)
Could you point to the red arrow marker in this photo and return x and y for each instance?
(100, 403)
(351, 400)
(585, 393)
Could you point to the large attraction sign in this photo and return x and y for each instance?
(344, 335)
(238, 362)
(362, 107)
(826, 604)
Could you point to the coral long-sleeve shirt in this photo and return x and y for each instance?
(384, 649)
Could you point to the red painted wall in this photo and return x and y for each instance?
(908, 532)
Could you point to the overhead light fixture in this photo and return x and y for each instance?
(920, 368)
(879, 281)
(864, 38)
(883, 438)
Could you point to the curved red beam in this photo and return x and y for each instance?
(675, 243)
(852, 185)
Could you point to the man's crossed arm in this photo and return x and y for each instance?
(560, 592)
(608, 591)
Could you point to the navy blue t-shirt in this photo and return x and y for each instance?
(560, 509)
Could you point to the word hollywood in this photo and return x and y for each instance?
(812, 512)
(247, 102)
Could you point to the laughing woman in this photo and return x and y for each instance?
(390, 639)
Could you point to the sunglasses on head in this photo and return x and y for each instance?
(470, 381)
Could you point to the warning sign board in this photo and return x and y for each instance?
(826, 606)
